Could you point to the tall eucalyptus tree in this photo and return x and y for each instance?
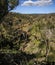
(6, 6)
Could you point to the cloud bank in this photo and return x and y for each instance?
(36, 3)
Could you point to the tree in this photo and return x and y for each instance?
(47, 35)
(3, 8)
(12, 4)
(6, 6)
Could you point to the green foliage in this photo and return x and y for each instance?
(13, 3)
(32, 34)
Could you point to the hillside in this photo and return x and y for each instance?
(30, 35)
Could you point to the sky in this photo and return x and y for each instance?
(35, 7)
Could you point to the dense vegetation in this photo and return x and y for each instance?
(27, 39)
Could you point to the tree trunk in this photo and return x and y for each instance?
(47, 49)
(3, 7)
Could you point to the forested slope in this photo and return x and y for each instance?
(31, 36)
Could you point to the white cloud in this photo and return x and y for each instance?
(37, 3)
(43, 2)
(27, 3)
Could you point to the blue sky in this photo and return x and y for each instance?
(48, 7)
